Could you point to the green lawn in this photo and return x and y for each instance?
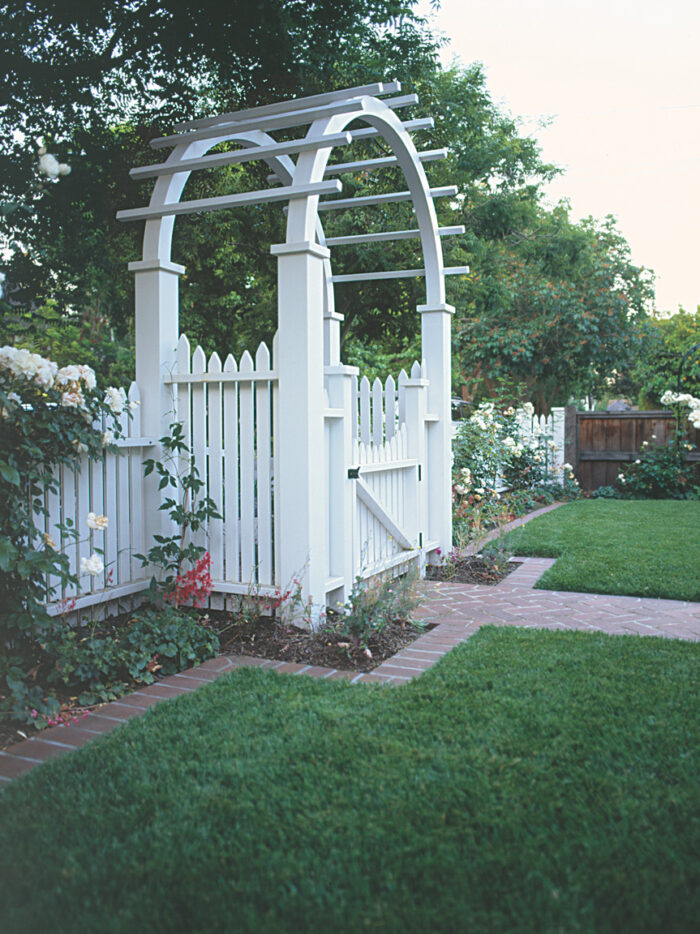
(647, 548)
(531, 782)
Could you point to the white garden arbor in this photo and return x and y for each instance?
(336, 475)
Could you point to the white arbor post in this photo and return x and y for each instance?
(436, 326)
(156, 337)
(341, 492)
(301, 481)
(415, 390)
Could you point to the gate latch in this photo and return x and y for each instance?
(354, 473)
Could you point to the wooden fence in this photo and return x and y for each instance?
(597, 444)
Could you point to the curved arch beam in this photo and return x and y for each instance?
(158, 233)
(311, 165)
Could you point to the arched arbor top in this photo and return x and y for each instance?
(307, 184)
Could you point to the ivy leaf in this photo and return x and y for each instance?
(9, 473)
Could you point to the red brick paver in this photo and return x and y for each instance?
(456, 611)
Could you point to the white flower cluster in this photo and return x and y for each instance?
(115, 399)
(97, 523)
(684, 398)
(515, 447)
(50, 166)
(465, 482)
(30, 366)
(71, 380)
(45, 373)
(92, 565)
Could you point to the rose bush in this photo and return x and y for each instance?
(49, 418)
(503, 465)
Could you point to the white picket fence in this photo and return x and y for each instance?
(113, 488)
(229, 418)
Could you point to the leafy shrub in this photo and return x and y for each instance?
(502, 470)
(189, 511)
(606, 492)
(49, 418)
(98, 663)
(371, 607)
(661, 472)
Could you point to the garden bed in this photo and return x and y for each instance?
(471, 569)
(266, 638)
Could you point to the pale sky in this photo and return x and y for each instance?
(620, 81)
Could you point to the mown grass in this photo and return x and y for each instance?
(530, 782)
(646, 548)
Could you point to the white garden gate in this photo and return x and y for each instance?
(319, 475)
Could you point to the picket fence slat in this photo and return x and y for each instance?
(215, 473)
(247, 456)
(199, 434)
(136, 542)
(231, 486)
(263, 452)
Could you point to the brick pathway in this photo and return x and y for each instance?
(454, 612)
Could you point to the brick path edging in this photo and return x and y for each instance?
(453, 612)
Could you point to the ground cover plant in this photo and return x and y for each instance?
(647, 548)
(531, 781)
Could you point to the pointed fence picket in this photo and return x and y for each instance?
(227, 415)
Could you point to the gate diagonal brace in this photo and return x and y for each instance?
(367, 497)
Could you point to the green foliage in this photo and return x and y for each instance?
(188, 511)
(661, 472)
(48, 418)
(372, 606)
(645, 548)
(497, 792)
(666, 341)
(556, 306)
(98, 664)
(63, 338)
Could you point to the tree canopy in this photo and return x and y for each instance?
(548, 303)
(667, 341)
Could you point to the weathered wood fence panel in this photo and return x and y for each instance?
(598, 444)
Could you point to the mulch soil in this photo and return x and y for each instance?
(471, 569)
(267, 638)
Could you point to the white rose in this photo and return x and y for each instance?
(64, 168)
(87, 374)
(98, 523)
(115, 399)
(108, 438)
(49, 165)
(73, 399)
(92, 565)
